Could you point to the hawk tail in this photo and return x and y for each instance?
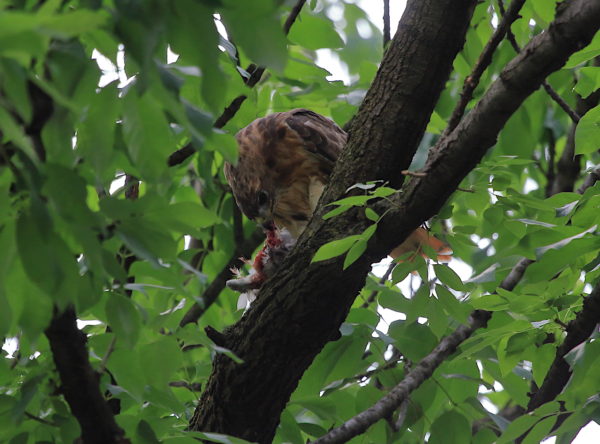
(415, 242)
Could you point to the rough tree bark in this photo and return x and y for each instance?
(283, 332)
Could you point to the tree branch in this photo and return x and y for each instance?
(516, 274)
(553, 94)
(455, 155)
(386, 23)
(590, 180)
(569, 164)
(210, 295)
(79, 382)
(578, 331)
(484, 60)
(229, 112)
(293, 16)
(422, 371)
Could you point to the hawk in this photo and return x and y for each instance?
(285, 160)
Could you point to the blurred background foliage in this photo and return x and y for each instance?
(96, 95)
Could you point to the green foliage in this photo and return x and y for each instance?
(92, 103)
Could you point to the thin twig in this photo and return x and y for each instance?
(559, 100)
(551, 92)
(590, 180)
(389, 363)
(550, 172)
(293, 15)
(111, 348)
(192, 387)
(412, 173)
(230, 111)
(485, 58)
(402, 410)
(384, 278)
(42, 420)
(386, 23)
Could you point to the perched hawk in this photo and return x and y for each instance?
(285, 160)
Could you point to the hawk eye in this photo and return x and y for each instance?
(263, 198)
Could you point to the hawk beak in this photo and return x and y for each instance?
(268, 225)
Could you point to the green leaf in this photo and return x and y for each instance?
(147, 134)
(401, 270)
(589, 80)
(587, 53)
(450, 427)
(13, 133)
(45, 256)
(566, 209)
(355, 252)
(352, 200)
(224, 144)
(145, 434)
(14, 82)
(436, 124)
(160, 360)
(314, 33)
(96, 134)
(540, 431)
(456, 309)
(335, 248)
(257, 31)
(371, 215)
(449, 277)
(124, 319)
(368, 232)
(72, 23)
(28, 390)
(517, 427)
(539, 252)
(147, 241)
(383, 192)
(587, 134)
(544, 10)
(336, 212)
(183, 217)
(490, 302)
(414, 340)
(394, 301)
(193, 22)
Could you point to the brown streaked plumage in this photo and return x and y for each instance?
(285, 160)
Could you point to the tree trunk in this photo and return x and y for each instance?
(301, 310)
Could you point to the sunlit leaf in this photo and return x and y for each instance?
(587, 133)
(335, 248)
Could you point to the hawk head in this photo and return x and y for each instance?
(254, 192)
